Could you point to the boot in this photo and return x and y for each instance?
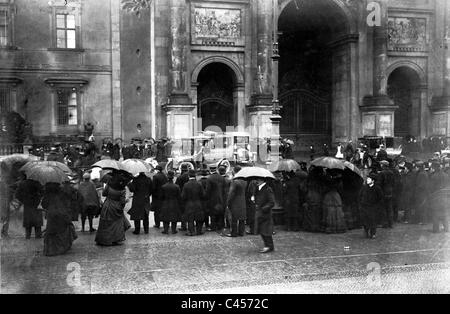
(137, 227)
(38, 232)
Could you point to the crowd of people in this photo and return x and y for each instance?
(314, 199)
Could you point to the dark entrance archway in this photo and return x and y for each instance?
(403, 89)
(216, 96)
(312, 69)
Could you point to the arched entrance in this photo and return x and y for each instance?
(216, 96)
(403, 89)
(314, 74)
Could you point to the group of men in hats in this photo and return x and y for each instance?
(202, 202)
(420, 189)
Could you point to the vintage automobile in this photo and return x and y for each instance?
(213, 150)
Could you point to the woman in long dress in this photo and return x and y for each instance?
(60, 232)
(333, 215)
(113, 224)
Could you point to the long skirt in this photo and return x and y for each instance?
(59, 243)
(334, 220)
(112, 225)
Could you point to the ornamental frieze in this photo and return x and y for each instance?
(407, 33)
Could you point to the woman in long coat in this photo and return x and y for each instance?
(291, 201)
(60, 232)
(334, 219)
(313, 206)
(171, 204)
(113, 224)
(29, 193)
(142, 189)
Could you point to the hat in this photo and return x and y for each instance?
(159, 167)
(420, 163)
(384, 163)
(192, 173)
(222, 170)
(184, 167)
(86, 175)
(204, 173)
(170, 174)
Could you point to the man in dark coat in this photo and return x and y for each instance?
(73, 198)
(171, 205)
(421, 192)
(264, 200)
(29, 193)
(142, 188)
(251, 191)
(159, 179)
(55, 155)
(386, 183)
(382, 154)
(370, 199)
(91, 202)
(192, 196)
(291, 201)
(407, 197)
(203, 181)
(237, 205)
(216, 189)
(181, 181)
(438, 204)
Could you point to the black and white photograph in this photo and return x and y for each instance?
(221, 149)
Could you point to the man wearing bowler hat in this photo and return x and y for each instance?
(264, 201)
(159, 179)
(370, 199)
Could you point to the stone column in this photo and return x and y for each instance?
(275, 118)
(377, 107)
(441, 104)
(115, 65)
(179, 108)
(380, 39)
(260, 109)
(178, 47)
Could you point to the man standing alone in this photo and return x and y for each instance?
(264, 201)
(237, 205)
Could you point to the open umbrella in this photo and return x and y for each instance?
(37, 163)
(286, 165)
(15, 160)
(353, 168)
(109, 164)
(328, 162)
(47, 174)
(249, 172)
(136, 166)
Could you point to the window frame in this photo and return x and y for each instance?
(67, 91)
(62, 10)
(10, 9)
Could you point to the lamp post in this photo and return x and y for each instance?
(275, 117)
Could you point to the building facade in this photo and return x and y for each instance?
(346, 68)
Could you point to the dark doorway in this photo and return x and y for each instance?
(403, 90)
(216, 103)
(307, 29)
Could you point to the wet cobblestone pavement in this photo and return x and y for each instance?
(408, 258)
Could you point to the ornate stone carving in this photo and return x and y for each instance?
(407, 33)
(216, 26)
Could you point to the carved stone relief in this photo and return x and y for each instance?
(407, 33)
(216, 26)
